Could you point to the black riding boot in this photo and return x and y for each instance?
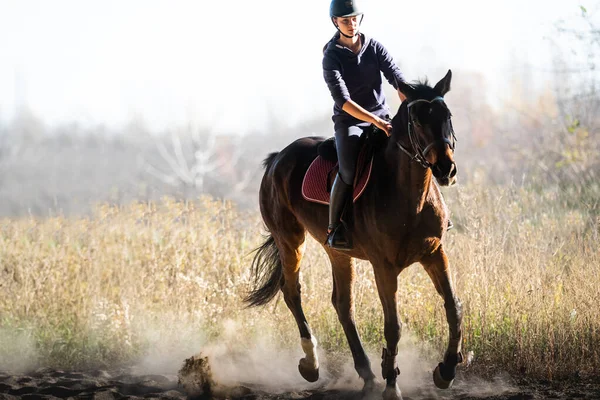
(338, 236)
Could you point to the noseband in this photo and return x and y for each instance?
(419, 152)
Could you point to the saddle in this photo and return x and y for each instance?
(316, 185)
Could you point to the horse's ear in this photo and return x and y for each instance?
(406, 89)
(443, 86)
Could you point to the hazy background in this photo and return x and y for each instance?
(117, 102)
(120, 101)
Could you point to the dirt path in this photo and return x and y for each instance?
(123, 384)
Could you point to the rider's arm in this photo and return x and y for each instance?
(335, 82)
(354, 109)
(389, 68)
(341, 96)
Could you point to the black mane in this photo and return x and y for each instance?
(423, 90)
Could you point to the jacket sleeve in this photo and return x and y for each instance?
(388, 66)
(333, 77)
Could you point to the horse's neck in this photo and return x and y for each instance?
(420, 182)
(410, 177)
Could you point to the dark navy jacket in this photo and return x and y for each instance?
(358, 77)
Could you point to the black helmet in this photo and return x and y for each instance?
(343, 8)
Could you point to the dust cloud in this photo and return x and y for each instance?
(240, 363)
(17, 350)
(259, 365)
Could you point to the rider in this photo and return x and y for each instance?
(352, 67)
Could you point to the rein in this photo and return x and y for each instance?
(419, 152)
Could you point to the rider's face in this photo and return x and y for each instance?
(348, 25)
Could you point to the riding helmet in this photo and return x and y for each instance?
(344, 8)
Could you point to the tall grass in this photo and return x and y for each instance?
(105, 290)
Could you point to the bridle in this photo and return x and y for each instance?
(419, 152)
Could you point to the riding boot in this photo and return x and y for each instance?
(338, 236)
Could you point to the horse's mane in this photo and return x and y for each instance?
(423, 90)
(269, 160)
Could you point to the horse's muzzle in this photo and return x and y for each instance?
(445, 173)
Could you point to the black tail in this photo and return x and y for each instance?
(267, 272)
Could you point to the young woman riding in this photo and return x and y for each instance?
(352, 67)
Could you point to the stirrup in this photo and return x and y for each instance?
(338, 237)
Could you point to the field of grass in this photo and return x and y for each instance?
(112, 288)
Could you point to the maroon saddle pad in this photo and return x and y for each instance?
(321, 173)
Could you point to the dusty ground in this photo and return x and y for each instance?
(126, 384)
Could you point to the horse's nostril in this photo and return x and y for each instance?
(453, 170)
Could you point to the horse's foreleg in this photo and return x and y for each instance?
(291, 254)
(343, 302)
(437, 267)
(386, 277)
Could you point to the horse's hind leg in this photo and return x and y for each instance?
(291, 248)
(343, 302)
(438, 269)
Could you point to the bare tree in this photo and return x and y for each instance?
(6, 150)
(11, 144)
(578, 97)
(190, 161)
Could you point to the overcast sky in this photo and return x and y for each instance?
(231, 63)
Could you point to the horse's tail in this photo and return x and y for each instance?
(266, 268)
(267, 272)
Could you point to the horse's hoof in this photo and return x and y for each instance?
(439, 381)
(392, 393)
(370, 386)
(308, 371)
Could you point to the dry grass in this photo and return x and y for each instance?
(110, 288)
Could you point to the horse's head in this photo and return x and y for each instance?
(423, 128)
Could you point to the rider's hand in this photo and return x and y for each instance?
(383, 125)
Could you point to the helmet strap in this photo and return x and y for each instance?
(342, 33)
(348, 36)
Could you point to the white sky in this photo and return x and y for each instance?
(232, 63)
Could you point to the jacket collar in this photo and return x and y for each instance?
(333, 45)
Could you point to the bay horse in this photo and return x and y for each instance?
(399, 219)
